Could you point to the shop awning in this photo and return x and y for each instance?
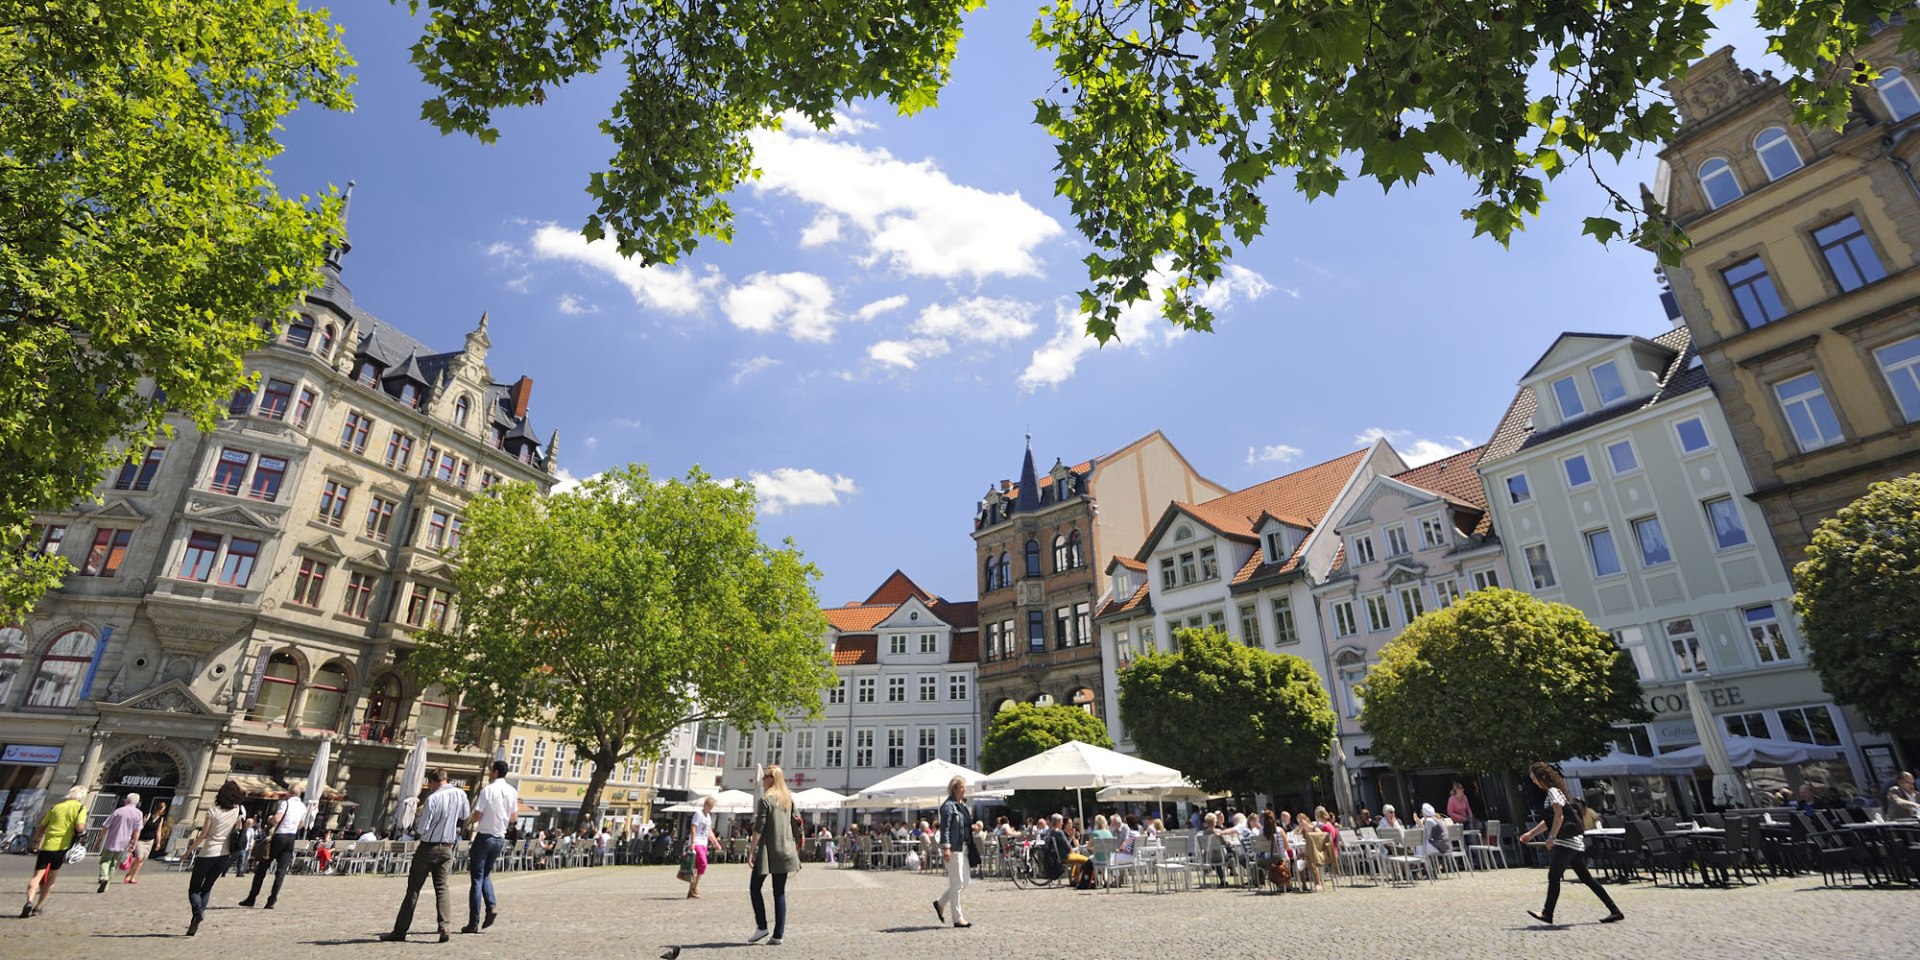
(257, 787)
(298, 785)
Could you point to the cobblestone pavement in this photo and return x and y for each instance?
(637, 911)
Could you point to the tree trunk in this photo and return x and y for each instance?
(603, 766)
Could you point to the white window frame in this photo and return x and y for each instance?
(1538, 562)
(1683, 642)
(1633, 642)
(1807, 397)
(1640, 527)
(1594, 540)
(1446, 593)
(1524, 494)
(896, 689)
(1712, 168)
(1599, 393)
(896, 644)
(1776, 137)
(866, 687)
(1412, 604)
(1566, 471)
(1613, 462)
(1904, 372)
(1397, 543)
(1379, 613)
(803, 748)
(1286, 630)
(929, 688)
(959, 746)
(1433, 531)
(1680, 440)
(1713, 527)
(1892, 79)
(1344, 622)
(1488, 579)
(1560, 397)
(1362, 549)
(958, 688)
(1765, 633)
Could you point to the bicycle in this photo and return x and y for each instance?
(1029, 869)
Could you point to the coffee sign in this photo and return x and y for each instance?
(1718, 698)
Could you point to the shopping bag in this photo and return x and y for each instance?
(686, 868)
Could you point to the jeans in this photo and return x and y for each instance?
(779, 904)
(1558, 860)
(280, 855)
(433, 860)
(957, 876)
(205, 871)
(486, 850)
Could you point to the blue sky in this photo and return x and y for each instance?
(894, 314)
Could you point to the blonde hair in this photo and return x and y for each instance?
(778, 791)
(955, 784)
(77, 794)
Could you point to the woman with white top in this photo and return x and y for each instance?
(212, 848)
(1569, 844)
(702, 836)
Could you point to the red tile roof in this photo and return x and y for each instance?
(1128, 562)
(1301, 498)
(1139, 601)
(853, 649)
(896, 590)
(857, 618)
(1452, 477)
(961, 615)
(965, 648)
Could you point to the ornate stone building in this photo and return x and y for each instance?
(241, 594)
(1038, 546)
(1800, 288)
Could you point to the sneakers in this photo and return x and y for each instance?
(193, 926)
(488, 922)
(26, 910)
(758, 935)
(103, 887)
(774, 942)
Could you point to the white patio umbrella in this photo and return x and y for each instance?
(1077, 766)
(1613, 764)
(317, 776)
(1749, 751)
(730, 801)
(1713, 747)
(922, 786)
(409, 787)
(1177, 790)
(818, 798)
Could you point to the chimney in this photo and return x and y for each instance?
(518, 394)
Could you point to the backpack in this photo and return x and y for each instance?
(1437, 835)
(1053, 857)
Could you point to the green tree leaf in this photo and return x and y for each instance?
(1025, 730)
(1856, 603)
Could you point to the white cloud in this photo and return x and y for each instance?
(799, 303)
(878, 307)
(743, 369)
(626, 423)
(906, 353)
(573, 306)
(911, 215)
(1139, 325)
(1273, 453)
(591, 442)
(566, 482)
(844, 124)
(500, 248)
(977, 319)
(787, 487)
(824, 229)
(1416, 452)
(666, 288)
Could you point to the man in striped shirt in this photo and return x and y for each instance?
(438, 827)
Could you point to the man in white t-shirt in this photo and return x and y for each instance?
(289, 822)
(493, 811)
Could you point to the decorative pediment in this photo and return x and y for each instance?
(325, 547)
(233, 514)
(344, 472)
(437, 570)
(119, 510)
(912, 615)
(1404, 571)
(371, 560)
(172, 696)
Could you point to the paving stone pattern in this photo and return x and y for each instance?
(638, 911)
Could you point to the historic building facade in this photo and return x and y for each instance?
(1800, 286)
(1038, 545)
(243, 593)
(1617, 488)
(906, 666)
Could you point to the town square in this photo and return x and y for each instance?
(1425, 478)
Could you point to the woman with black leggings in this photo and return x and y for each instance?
(210, 852)
(1569, 847)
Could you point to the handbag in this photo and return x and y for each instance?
(686, 868)
(76, 853)
(126, 863)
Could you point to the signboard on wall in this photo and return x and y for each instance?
(30, 754)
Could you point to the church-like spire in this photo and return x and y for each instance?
(337, 250)
(478, 341)
(553, 454)
(1029, 495)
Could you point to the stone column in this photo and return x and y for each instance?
(90, 763)
(200, 760)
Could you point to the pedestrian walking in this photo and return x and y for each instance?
(493, 810)
(288, 823)
(58, 830)
(249, 833)
(153, 832)
(953, 846)
(702, 831)
(773, 852)
(438, 826)
(123, 828)
(220, 839)
(1569, 845)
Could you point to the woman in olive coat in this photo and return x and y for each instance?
(773, 852)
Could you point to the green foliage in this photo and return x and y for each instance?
(1173, 117)
(617, 612)
(1026, 730)
(1496, 681)
(1856, 603)
(141, 240)
(1230, 717)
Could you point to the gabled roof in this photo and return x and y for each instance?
(857, 618)
(856, 649)
(1141, 601)
(1554, 347)
(1451, 477)
(1516, 433)
(1128, 562)
(895, 591)
(1301, 497)
(960, 615)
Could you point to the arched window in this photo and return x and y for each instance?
(1777, 152)
(1043, 699)
(1182, 532)
(1351, 666)
(461, 407)
(1075, 558)
(1896, 91)
(987, 581)
(1006, 703)
(325, 696)
(1006, 569)
(275, 696)
(13, 659)
(1033, 558)
(326, 342)
(1059, 552)
(1083, 698)
(62, 669)
(383, 709)
(1717, 179)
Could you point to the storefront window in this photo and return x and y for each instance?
(62, 670)
(383, 709)
(275, 696)
(434, 711)
(325, 696)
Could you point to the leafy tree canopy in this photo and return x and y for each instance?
(614, 613)
(1228, 716)
(1172, 116)
(1496, 681)
(1025, 730)
(1857, 608)
(141, 241)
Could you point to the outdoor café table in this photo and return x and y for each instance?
(1880, 840)
(1618, 868)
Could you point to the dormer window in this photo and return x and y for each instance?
(1567, 393)
(1717, 179)
(497, 437)
(1777, 152)
(410, 394)
(1122, 584)
(368, 375)
(1276, 547)
(1896, 91)
(300, 332)
(1607, 384)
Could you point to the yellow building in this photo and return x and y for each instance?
(1802, 287)
(552, 779)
